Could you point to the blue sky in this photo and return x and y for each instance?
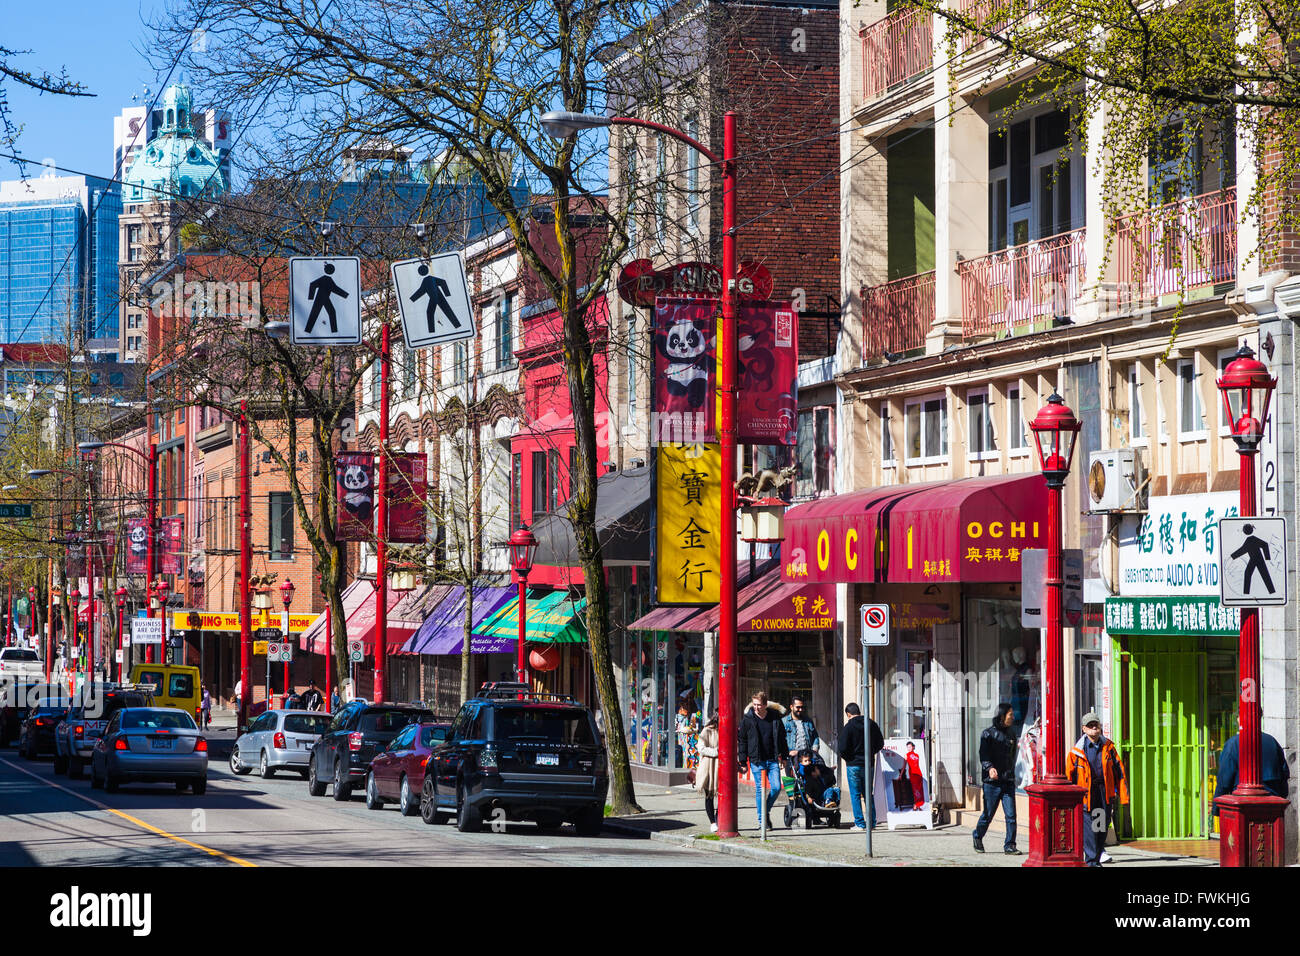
(99, 44)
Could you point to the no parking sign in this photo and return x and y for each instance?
(875, 625)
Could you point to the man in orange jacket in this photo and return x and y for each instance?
(1093, 764)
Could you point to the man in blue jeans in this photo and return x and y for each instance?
(762, 744)
(998, 776)
(858, 758)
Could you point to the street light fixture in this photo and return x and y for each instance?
(276, 330)
(1251, 819)
(121, 634)
(1055, 805)
(523, 546)
(286, 595)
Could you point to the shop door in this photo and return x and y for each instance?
(1165, 726)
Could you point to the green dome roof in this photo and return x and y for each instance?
(175, 163)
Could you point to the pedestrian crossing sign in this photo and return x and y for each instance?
(1252, 562)
(325, 300)
(433, 297)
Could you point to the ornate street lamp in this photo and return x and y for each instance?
(1253, 829)
(121, 635)
(286, 595)
(523, 545)
(1055, 805)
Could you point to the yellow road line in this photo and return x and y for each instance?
(130, 819)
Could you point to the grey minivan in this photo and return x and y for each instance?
(278, 740)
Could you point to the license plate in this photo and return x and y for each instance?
(162, 744)
(548, 760)
(304, 745)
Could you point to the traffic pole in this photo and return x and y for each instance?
(245, 569)
(381, 523)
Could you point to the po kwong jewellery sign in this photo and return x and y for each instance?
(1173, 549)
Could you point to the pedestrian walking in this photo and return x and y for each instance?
(762, 744)
(1093, 763)
(706, 774)
(998, 777)
(205, 707)
(311, 697)
(860, 742)
(239, 693)
(800, 734)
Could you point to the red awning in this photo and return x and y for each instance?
(968, 529)
(767, 604)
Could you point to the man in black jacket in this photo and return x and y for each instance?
(762, 743)
(998, 775)
(858, 768)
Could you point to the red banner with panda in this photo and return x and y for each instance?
(684, 402)
(355, 477)
(137, 546)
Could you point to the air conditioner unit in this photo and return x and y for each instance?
(1113, 480)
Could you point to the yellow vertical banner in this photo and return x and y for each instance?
(688, 500)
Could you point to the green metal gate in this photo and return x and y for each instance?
(1163, 730)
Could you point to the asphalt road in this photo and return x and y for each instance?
(49, 820)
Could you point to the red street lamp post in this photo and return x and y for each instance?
(329, 643)
(121, 643)
(1251, 818)
(160, 596)
(523, 544)
(245, 569)
(1055, 804)
(74, 655)
(286, 595)
(31, 602)
(561, 124)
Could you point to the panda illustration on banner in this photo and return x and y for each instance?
(686, 349)
(358, 495)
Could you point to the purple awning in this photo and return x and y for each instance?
(443, 631)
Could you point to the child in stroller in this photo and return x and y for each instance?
(812, 792)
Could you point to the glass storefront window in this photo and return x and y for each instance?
(901, 674)
(663, 672)
(1003, 660)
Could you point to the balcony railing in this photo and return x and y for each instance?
(1177, 247)
(989, 13)
(1021, 285)
(897, 315)
(896, 49)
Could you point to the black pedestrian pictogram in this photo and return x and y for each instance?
(1258, 553)
(319, 292)
(436, 288)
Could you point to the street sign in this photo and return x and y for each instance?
(272, 650)
(325, 304)
(9, 510)
(259, 647)
(1033, 587)
(434, 300)
(146, 630)
(875, 625)
(356, 652)
(1252, 561)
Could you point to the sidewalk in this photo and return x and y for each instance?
(677, 816)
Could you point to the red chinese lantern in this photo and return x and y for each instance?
(544, 658)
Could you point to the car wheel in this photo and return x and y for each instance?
(315, 786)
(75, 766)
(407, 802)
(342, 791)
(60, 763)
(428, 802)
(589, 822)
(111, 783)
(95, 782)
(467, 820)
(200, 787)
(372, 793)
(264, 769)
(236, 767)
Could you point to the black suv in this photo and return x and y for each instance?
(512, 754)
(358, 732)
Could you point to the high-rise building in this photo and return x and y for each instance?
(58, 260)
(131, 132)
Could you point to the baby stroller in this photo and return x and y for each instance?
(801, 805)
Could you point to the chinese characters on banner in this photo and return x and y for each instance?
(170, 535)
(355, 476)
(137, 546)
(685, 384)
(767, 403)
(688, 501)
(1174, 548)
(407, 488)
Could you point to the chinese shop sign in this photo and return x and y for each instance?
(1171, 617)
(688, 502)
(810, 608)
(1174, 548)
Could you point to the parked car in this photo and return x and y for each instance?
(18, 695)
(21, 662)
(534, 756)
(151, 745)
(37, 735)
(358, 731)
(278, 739)
(76, 735)
(397, 771)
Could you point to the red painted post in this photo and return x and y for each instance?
(151, 552)
(329, 650)
(381, 523)
(1248, 743)
(90, 574)
(245, 568)
(521, 667)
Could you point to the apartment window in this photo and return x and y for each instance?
(1191, 413)
(661, 187)
(280, 521)
(459, 362)
(553, 479)
(1033, 192)
(887, 459)
(631, 365)
(1017, 439)
(926, 424)
(516, 490)
(815, 443)
(1137, 429)
(694, 200)
(979, 425)
(505, 331)
(629, 177)
(408, 359)
(539, 483)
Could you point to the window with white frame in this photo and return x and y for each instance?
(979, 425)
(661, 187)
(1017, 437)
(1225, 356)
(631, 365)
(1137, 427)
(887, 457)
(504, 309)
(816, 440)
(694, 200)
(1191, 411)
(629, 177)
(926, 423)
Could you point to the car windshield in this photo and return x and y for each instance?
(556, 724)
(389, 721)
(19, 654)
(306, 723)
(432, 735)
(157, 720)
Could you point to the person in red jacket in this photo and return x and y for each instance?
(915, 777)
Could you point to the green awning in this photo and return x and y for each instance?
(553, 618)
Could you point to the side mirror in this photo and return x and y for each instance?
(243, 730)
